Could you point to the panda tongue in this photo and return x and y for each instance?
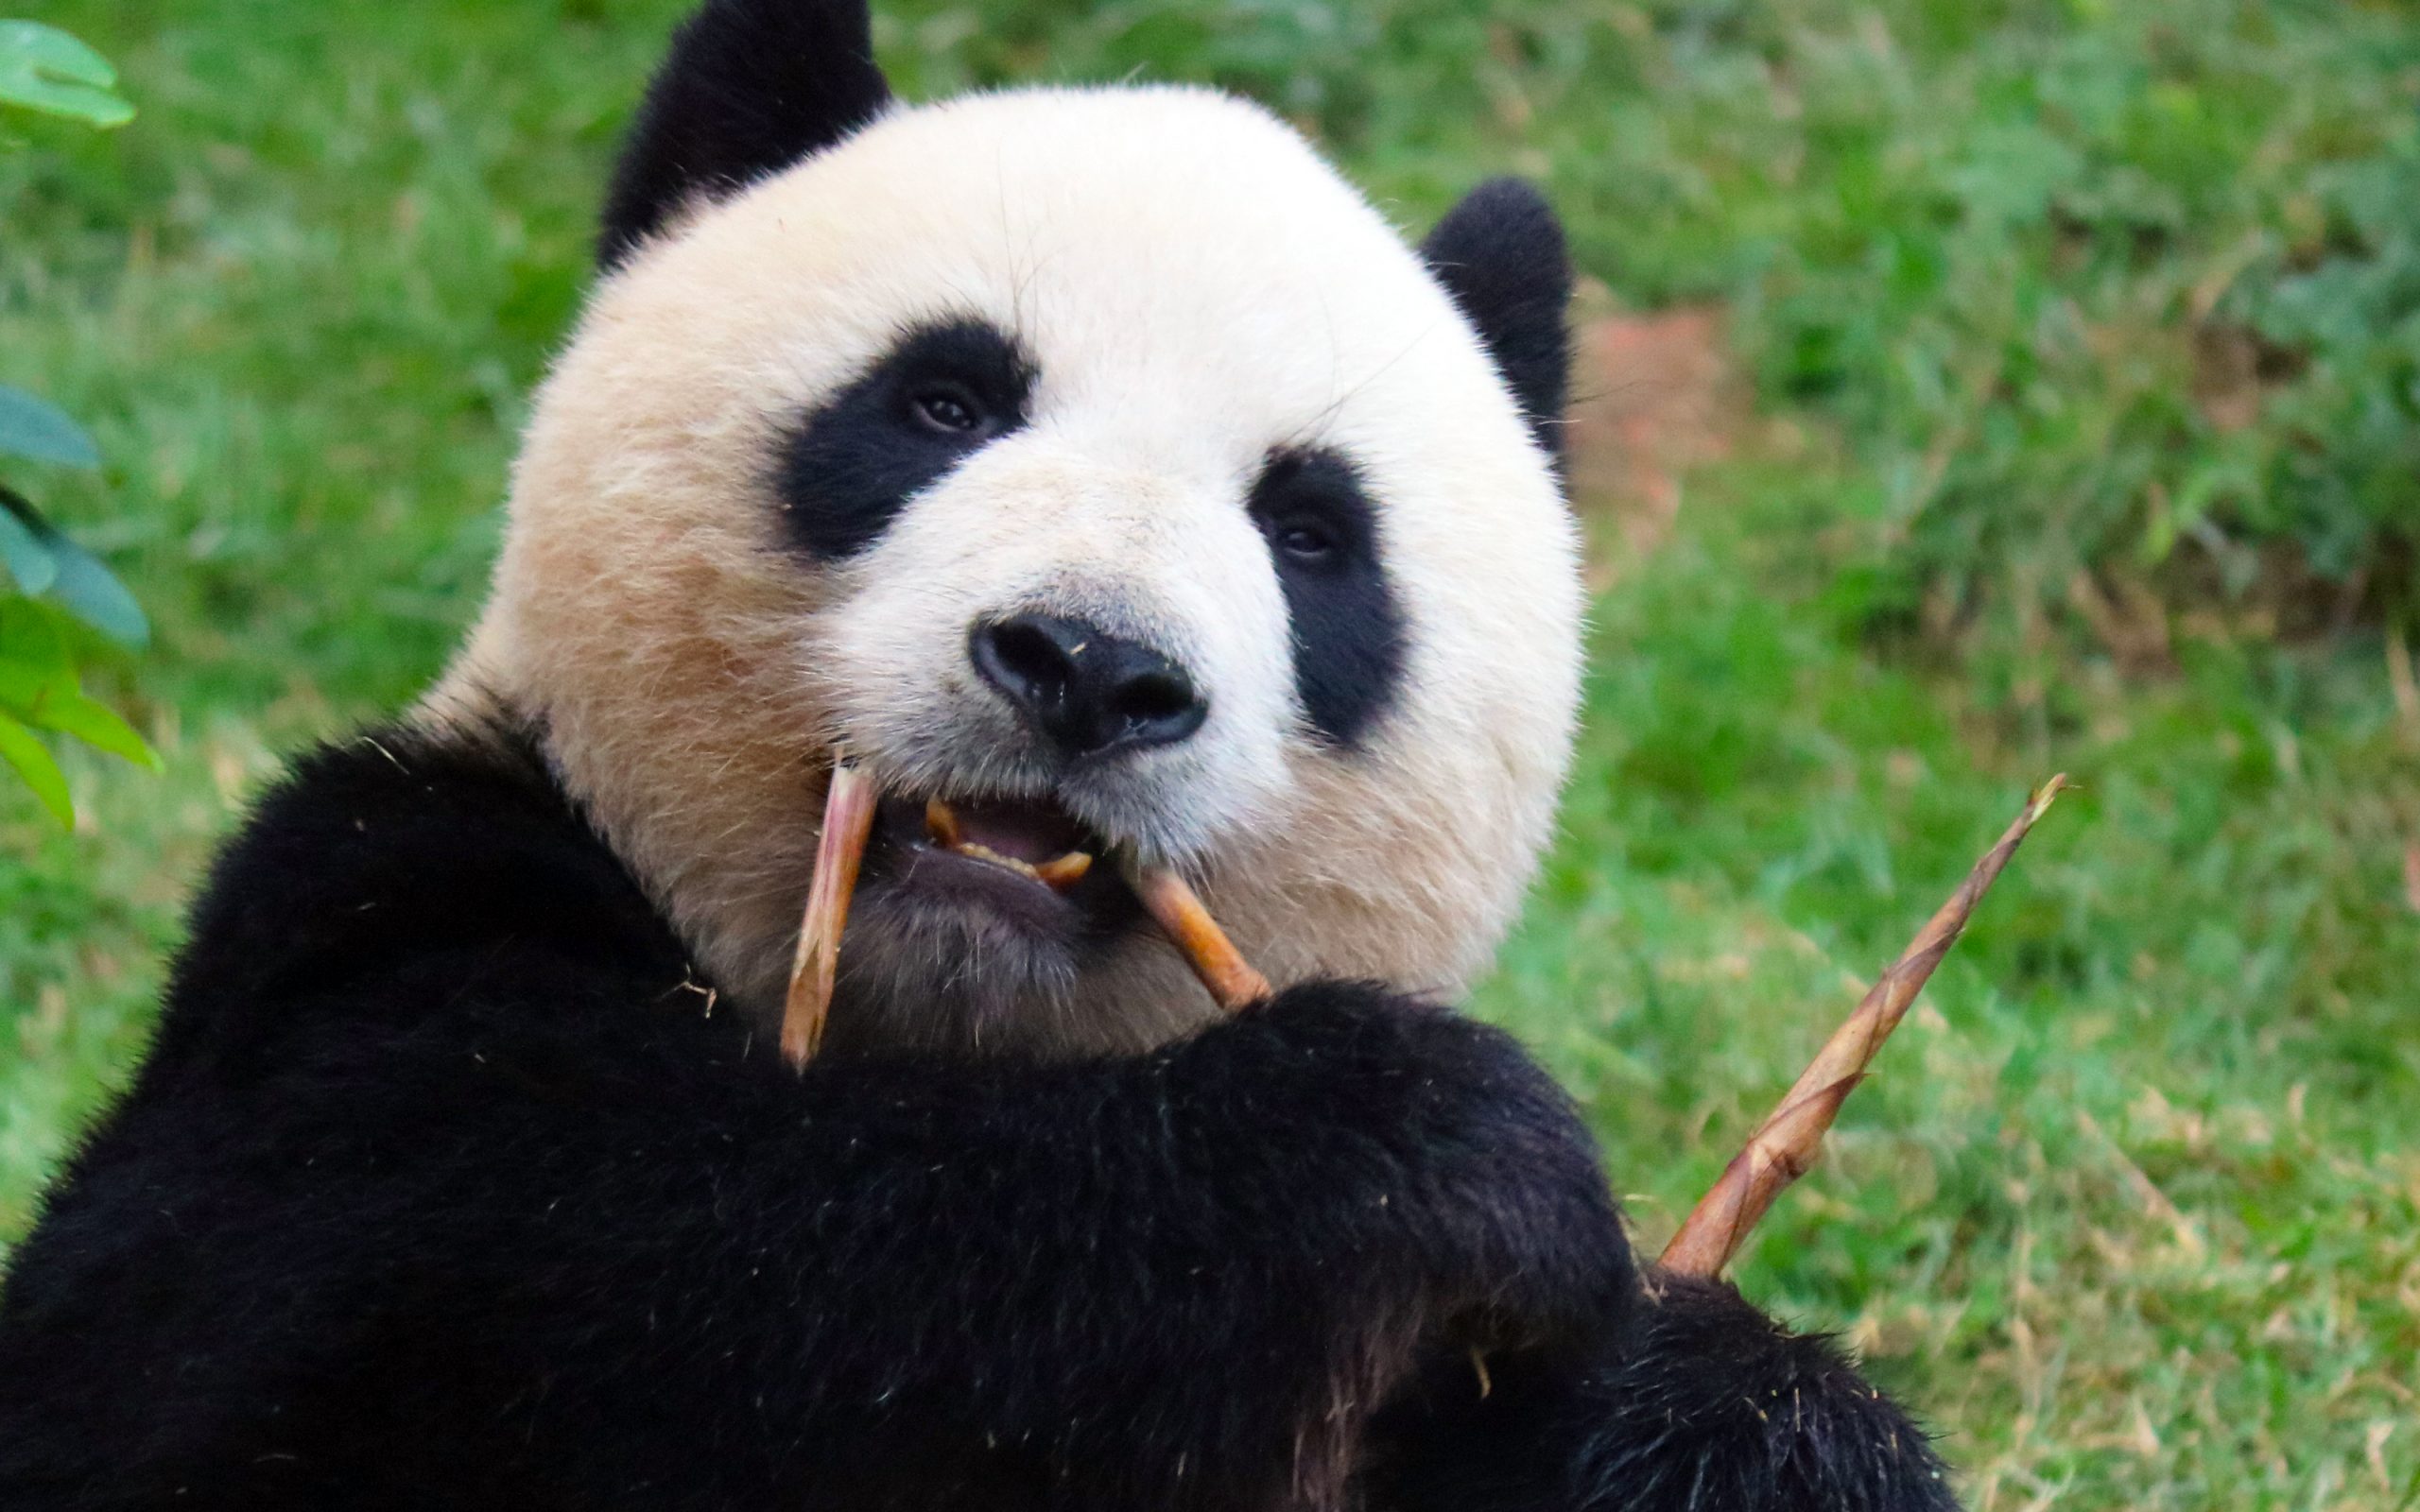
(1030, 832)
(1040, 845)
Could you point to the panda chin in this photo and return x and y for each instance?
(956, 940)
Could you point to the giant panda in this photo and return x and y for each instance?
(1097, 464)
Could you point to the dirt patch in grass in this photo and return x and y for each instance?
(1653, 395)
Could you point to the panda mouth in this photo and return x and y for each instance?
(1025, 862)
(1040, 843)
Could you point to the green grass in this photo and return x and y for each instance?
(2132, 1208)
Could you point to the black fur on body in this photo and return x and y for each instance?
(447, 1185)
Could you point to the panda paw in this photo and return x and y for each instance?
(1713, 1403)
(1423, 1161)
(1703, 1401)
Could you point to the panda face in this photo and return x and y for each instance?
(1107, 478)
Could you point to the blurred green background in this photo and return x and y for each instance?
(1976, 388)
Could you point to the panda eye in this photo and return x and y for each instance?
(1305, 543)
(1311, 510)
(947, 411)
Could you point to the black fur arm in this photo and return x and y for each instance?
(512, 1219)
(1700, 1404)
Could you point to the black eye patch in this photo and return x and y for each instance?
(1348, 634)
(938, 396)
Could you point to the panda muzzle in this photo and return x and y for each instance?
(850, 803)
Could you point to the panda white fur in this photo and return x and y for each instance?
(1205, 310)
(1097, 462)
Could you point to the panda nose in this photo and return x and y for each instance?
(1088, 692)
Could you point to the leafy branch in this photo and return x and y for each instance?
(47, 582)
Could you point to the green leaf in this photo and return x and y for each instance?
(42, 68)
(97, 596)
(20, 749)
(34, 663)
(78, 579)
(21, 553)
(34, 429)
(97, 725)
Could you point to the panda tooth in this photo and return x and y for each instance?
(940, 822)
(1066, 871)
(984, 852)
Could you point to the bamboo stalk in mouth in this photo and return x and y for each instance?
(848, 820)
(1196, 936)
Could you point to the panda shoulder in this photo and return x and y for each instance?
(394, 865)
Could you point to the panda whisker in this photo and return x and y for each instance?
(1309, 432)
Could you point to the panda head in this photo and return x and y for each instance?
(1096, 461)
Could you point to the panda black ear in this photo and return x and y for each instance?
(1500, 254)
(750, 87)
